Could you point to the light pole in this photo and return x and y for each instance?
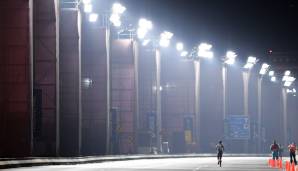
(251, 61)
(228, 60)
(203, 51)
(288, 80)
(262, 72)
(164, 41)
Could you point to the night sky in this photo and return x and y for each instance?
(248, 27)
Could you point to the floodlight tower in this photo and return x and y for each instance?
(203, 52)
(164, 41)
(251, 61)
(288, 81)
(228, 60)
(263, 71)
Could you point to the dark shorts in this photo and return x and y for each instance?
(219, 154)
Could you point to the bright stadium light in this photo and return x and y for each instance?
(251, 61)
(179, 46)
(271, 73)
(165, 38)
(86, 2)
(145, 42)
(273, 79)
(88, 8)
(144, 26)
(118, 8)
(230, 57)
(184, 53)
(93, 17)
(205, 50)
(264, 69)
(144, 23)
(288, 79)
(287, 73)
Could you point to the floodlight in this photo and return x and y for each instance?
(271, 73)
(287, 73)
(87, 8)
(273, 79)
(93, 17)
(287, 84)
(184, 53)
(289, 91)
(118, 8)
(146, 24)
(179, 46)
(205, 50)
(230, 57)
(164, 42)
(141, 32)
(165, 38)
(86, 2)
(294, 90)
(264, 68)
(115, 19)
(248, 66)
(145, 42)
(252, 60)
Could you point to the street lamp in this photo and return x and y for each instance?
(251, 61)
(264, 69)
(203, 51)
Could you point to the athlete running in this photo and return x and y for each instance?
(220, 149)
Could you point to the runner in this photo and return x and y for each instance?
(274, 149)
(292, 149)
(220, 149)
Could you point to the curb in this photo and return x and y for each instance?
(29, 162)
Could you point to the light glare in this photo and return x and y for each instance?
(118, 8)
(273, 79)
(205, 50)
(86, 2)
(179, 46)
(271, 73)
(88, 8)
(184, 54)
(93, 17)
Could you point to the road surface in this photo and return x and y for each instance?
(174, 164)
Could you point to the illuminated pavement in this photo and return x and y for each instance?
(177, 164)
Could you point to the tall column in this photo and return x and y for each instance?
(158, 99)
(31, 21)
(57, 12)
(224, 81)
(80, 81)
(259, 147)
(136, 77)
(197, 103)
(285, 115)
(108, 48)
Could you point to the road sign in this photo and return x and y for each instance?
(237, 127)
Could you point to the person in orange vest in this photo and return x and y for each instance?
(292, 149)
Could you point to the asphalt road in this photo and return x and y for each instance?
(176, 164)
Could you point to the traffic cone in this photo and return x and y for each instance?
(274, 164)
(293, 166)
(287, 166)
(280, 163)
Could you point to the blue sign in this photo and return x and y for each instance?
(237, 127)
